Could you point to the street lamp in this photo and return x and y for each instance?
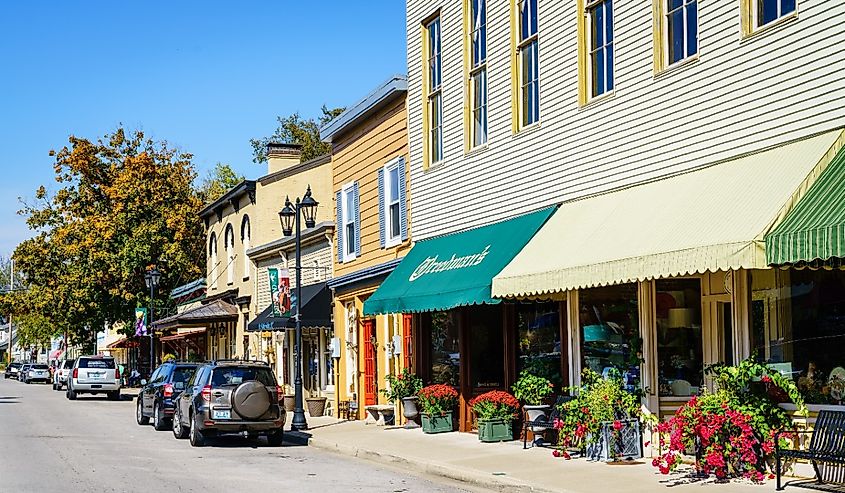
(289, 217)
(152, 277)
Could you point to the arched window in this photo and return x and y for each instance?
(245, 238)
(212, 258)
(230, 254)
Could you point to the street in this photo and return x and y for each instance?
(94, 445)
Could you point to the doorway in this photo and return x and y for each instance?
(369, 327)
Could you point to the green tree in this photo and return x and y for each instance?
(294, 129)
(217, 182)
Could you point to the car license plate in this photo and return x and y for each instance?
(222, 414)
(97, 376)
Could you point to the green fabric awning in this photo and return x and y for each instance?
(815, 229)
(454, 270)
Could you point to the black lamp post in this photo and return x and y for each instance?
(152, 277)
(289, 217)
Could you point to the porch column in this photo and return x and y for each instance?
(574, 325)
(741, 300)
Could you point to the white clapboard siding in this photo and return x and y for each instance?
(740, 96)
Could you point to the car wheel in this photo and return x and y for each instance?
(195, 435)
(71, 394)
(139, 414)
(275, 438)
(114, 395)
(26, 381)
(179, 430)
(158, 419)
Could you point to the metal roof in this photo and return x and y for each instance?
(386, 92)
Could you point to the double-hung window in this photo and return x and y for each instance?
(768, 11)
(680, 28)
(528, 60)
(348, 223)
(392, 203)
(434, 97)
(599, 17)
(478, 71)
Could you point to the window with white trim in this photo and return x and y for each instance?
(528, 59)
(680, 30)
(212, 258)
(348, 212)
(478, 71)
(433, 92)
(392, 224)
(599, 18)
(230, 254)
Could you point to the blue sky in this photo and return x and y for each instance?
(205, 76)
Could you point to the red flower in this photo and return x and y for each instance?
(566, 455)
(617, 425)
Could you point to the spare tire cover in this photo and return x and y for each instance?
(251, 399)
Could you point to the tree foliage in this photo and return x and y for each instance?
(294, 129)
(217, 182)
(125, 202)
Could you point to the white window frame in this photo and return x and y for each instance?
(755, 7)
(213, 260)
(667, 40)
(608, 68)
(390, 240)
(348, 218)
(434, 58)
(478, 96)
(527, 46)
(246, 240)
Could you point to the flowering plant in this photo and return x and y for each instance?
(733, 429)
(532, 389)
(495, 405)
(437, 399)
(404, 385)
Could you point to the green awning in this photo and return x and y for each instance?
(815, 229)
(454, 270)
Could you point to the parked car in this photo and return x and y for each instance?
(94, 375)
(60, 374)
(37, 373)
(228, 397)
(12, 370)
(24, 368)
(156, 398)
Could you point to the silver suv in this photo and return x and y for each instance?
(61, 373)
(94, 375)
(230, 397)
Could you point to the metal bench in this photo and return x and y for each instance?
(543, 422)
(827, 444)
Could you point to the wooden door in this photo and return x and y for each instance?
(408, 342)
(369, 362)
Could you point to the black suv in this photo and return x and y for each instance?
(12, 370)
(156, 399)
(228, 397)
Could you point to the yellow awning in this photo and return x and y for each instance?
(714, 218)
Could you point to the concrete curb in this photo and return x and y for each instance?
(430, 468)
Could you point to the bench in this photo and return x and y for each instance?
(543, 422)
(381, 415)
(827, 444)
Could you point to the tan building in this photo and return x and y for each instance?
(370, 183)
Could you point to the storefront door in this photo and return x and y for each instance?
(483, 331)
(369, 327)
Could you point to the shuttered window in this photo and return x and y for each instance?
(349, 223)
(393, 227)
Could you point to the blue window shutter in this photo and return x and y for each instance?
(339, 230)
(356, 199)
(382, 220)
(403, 201)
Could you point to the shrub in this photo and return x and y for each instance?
(437, 399)
(405, 385)
(495, 404)
(532, 389)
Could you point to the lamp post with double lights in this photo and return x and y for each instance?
(289, 217)
(152, 278)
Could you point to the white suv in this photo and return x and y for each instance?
(61, 373)
(94, 375)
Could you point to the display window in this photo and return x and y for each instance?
(445, 359)
(539, 351)
(679, 343)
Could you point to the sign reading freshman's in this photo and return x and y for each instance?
(431, 265)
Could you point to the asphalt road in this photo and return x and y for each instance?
(50, 444)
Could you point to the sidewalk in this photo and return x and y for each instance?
(498, 466)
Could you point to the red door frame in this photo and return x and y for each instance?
(369, 327)
(408, 341)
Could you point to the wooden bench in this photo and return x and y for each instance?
(827, 444)
(543, 422)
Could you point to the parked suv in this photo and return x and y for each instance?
(36, 373)
(94, 375)
(226, 397)
(12, 370)
(156, 397)
(60, 374)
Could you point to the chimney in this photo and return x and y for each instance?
(282, 156)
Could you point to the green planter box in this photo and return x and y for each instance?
(436, 424)
(495, 430)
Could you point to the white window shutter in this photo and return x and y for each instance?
(339, 228)
(382, 219)
(403, 201)
(356, 199)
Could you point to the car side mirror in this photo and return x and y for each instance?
(143, 381)
(179, 385)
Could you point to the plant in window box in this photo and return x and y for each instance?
(533, 390)
(437, 402)
(404, 388)
(496, 411)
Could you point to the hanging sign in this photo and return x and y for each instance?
(141, 322)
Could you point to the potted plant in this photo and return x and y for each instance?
(404, 388)
(316, 405)
(288, 401)
(603, 418)
(495, 411)
(437, 402)
(533, 390)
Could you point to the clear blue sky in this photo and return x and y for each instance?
(205, 76)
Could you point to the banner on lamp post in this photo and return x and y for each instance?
(280, 292)
(141, 322)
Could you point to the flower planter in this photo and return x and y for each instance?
(495, 430)
(432, 423)
(411, 412)
(289, 403)
(610, 445)
(316, 406)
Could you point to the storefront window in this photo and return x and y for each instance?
(610, 334)
(539, 340)
(445, 355)
(487, 347)
(679, 343)
(798, 327)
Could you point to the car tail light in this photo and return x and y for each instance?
(168, 390)
(206, 393)
(76, 373)
(117, 373)
(279, 392)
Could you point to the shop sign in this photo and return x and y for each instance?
(433, 265)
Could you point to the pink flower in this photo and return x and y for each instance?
(556, 453)
(617, 425)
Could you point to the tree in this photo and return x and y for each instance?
(294, 129)
(125, 203)
(217, 182)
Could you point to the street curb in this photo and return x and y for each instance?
(479, 479)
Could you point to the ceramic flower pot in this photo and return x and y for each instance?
(411, 412)
(495, 430)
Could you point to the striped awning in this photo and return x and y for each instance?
(814, 230)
